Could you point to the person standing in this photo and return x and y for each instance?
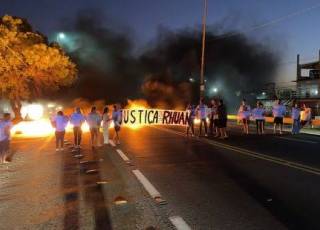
(203, 115)
(106, 121)
(94, 122)
(191, 116)
(222, 119)
(5, 128)
(258, 115)
(244, 115)
(60, 123)
(278, 112)
(77, 119)
(117, 119)
(295, 115)
(305, 115)
(213, 118)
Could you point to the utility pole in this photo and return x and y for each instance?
(204, 18)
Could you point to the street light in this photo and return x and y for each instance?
(61, 36)
(215, 90)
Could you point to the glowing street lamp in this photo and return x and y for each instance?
(215, 90)
(61, 36)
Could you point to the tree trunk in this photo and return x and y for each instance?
(16, 108)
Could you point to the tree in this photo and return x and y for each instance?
(29, 65)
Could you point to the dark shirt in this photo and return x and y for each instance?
(222, 112)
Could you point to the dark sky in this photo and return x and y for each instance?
(294, 35)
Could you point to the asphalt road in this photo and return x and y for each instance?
(245, 182)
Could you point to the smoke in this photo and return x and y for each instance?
(235, 67)
(110, 70)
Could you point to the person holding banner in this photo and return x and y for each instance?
(77, 119)
(106, 122)
(191, 116)
(203, 115)
(117, 120)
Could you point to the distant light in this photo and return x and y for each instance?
(50, 105)
(61, 35)
(191, 79)
(316, 92)
(214, 90)
(263, 93)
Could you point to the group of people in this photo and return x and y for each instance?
(300, 116)
(94, 120)
(216, 114)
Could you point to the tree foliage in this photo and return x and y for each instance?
(29, 65)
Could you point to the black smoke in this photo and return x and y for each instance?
(110, 69)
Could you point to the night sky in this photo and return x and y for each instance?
(144, 17)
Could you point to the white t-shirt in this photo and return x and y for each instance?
(3, 126)
(258, 113)
(94, 120)
(77, 119)
(106, 120)
(61, 123)
(244, 113)
(279, 110)
(203, 111)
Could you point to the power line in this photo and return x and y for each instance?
(271, 22)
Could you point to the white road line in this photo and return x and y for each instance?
(276, 160)
(146, 184)
(298, 140)
(112, 143)
(179, 223)
(123, 156)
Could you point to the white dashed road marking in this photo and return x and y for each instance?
(123, 156)
(146, 184)
(179, 223)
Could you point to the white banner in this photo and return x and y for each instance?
(153, 117)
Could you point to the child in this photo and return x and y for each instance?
(5, 127)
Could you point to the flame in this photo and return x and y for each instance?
(40, 128)
(137, 104)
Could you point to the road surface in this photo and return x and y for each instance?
(245, 182)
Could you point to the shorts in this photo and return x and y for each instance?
(190, 121)
(117, 128)
(222, 123)
(216, 122)
(245, 121)
(94, 131)
(4, 146)
(278, 120)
